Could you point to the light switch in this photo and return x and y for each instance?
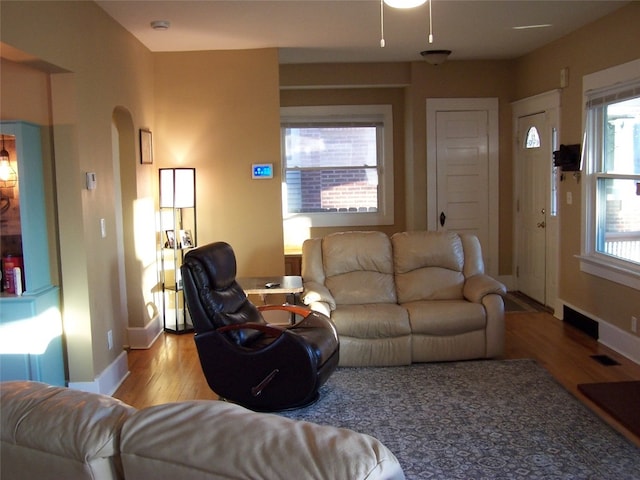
(91, 180)
(569, 198)
(103, 228)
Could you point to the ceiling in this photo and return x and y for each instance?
(319, 31)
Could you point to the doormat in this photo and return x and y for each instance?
(516, 302)
(619, 399)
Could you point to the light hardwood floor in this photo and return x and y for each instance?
(170, 370)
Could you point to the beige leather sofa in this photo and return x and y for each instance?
(415, 297)
(57, 433)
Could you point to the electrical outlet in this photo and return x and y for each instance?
(634, 324)
(110, 339)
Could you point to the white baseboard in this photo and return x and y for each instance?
(615, 338)
(109, 380)
(620, 341)
(143, 338)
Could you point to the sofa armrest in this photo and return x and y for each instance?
(477, 286)
(316, 292)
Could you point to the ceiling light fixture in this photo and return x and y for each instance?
(435, 57)
(404, 3)
(160, 24)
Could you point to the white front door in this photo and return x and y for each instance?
(462, 171)
(536, 241)
(532, 205)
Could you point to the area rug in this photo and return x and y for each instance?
(620, 399)
(475, 420)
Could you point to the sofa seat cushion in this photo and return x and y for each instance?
(385, 320)
(57, 432)
(218, 440)
(445, 317)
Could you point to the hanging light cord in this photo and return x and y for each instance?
(382, 43)
(430, 24)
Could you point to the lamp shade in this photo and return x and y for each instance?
(177, 187)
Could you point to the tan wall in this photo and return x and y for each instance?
(610, 41)
(220, 112)
(94, 67)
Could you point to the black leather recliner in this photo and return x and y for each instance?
(245, 360)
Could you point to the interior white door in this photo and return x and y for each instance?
(462, 165)
(532, 206)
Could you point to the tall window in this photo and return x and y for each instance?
(337, 165)
(612, 148)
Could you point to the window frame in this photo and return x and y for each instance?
(336, 115)
(591, 260)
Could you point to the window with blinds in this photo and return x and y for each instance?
(337, 165)
(611, 157)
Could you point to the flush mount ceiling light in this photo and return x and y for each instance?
(160, 24)
(405, 3)
(435, 57)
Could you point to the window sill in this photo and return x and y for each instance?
(610, 270)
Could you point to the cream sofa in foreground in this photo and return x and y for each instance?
(57, 433)
(415, 297)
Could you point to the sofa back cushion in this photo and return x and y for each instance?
(208, 440)
(428, 266)
(359, 267)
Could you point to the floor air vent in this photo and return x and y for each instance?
(605, 360)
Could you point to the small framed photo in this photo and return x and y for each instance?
(186, 240)
(146, 146)
(171, 239)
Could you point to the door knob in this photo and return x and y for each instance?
(541, 224)
(443, 217)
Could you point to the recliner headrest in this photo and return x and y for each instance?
(218, 262)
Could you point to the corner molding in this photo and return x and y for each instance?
(143, 338)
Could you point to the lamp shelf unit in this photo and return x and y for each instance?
(178, 234)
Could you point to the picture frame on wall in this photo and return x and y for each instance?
(146, 146)
(186, 240)
(171, 239)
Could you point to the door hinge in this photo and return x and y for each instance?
(517, 272)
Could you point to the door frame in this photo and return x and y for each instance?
(548, 103)
(490, 105)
